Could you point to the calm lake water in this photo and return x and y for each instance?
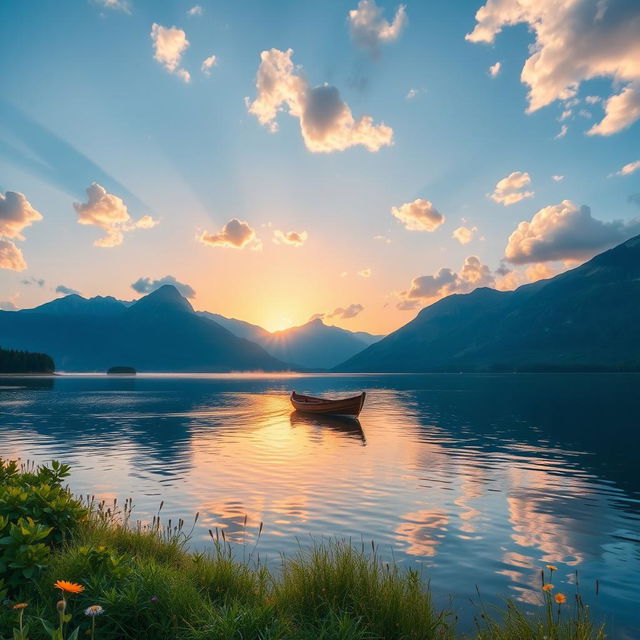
(479, 479)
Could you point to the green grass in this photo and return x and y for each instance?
(152, 587)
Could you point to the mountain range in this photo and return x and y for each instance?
(162, 332)
(582, 319)
(159, 332)
(312, 345)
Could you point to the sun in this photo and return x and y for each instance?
(277, 323)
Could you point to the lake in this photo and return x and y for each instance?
(479, 479)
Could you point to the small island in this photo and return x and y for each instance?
(25, 362)
(121, 371)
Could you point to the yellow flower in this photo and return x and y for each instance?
(20, 606)
(552, 567)
(561, 598)
(68, 587)
(547, 587)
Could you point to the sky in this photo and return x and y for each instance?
(279, 160)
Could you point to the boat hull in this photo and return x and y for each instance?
(350, 407)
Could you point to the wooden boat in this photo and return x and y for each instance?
(318, 406)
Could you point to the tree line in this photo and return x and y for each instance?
(14, 361)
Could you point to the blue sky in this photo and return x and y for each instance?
(85, 101)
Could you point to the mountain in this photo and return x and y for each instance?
(159, 332)
(313, 345)
(239, 328)
(75, 304)
(583, 319)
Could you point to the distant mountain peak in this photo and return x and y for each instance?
(165, 297)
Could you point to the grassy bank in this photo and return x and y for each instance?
(142, 582)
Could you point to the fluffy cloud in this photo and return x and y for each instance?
(67, 291)
(116, 5)
(419, 215)
(326, 121)
(445, 282)
(11, 257)
(169, 43)
(557, 178)
(109, 213)
(8, 305)
(510, 190)
(494, 69)
(147, 285)
(207, 64)
(345, 313)
(293, 238)
(16, 213)
(236, 234)
(412, 93)
(565, 232)
(464, 235)
(628, 169)
(196, 10)
(574, 41)
(562, 133)
(369, 28)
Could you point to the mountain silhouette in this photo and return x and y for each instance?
(583, 319)
(313, 345)
(159, 332)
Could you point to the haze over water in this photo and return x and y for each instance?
(479, 479)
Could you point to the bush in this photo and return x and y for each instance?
(36, 514)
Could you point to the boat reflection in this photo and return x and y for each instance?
(350, 427)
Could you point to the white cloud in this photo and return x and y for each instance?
(169, 44)
(628, 169)
(510, 190)
(464, 235)
(16, 213)
(575, 41)
(412, 93)
(564, 115)
(592, 99)
(11, 257)
(196, 10)
(383, 239)
(66, 291)
(565, 232)
(326, 121)
(109, 213)
(293, 238)
(207, 64)
(494, 69)
(621, 110)
(365, 273)
(369, 28)
(235, 234)
(8, 305)
(147, 285)
(557, 178)
(562, 133)
(445, 282)
(419, 215)
(345, 313)
(116, 5)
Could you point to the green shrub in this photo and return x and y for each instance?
(36, 514)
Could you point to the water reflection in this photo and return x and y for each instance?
(350, 427)
(483, 476)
